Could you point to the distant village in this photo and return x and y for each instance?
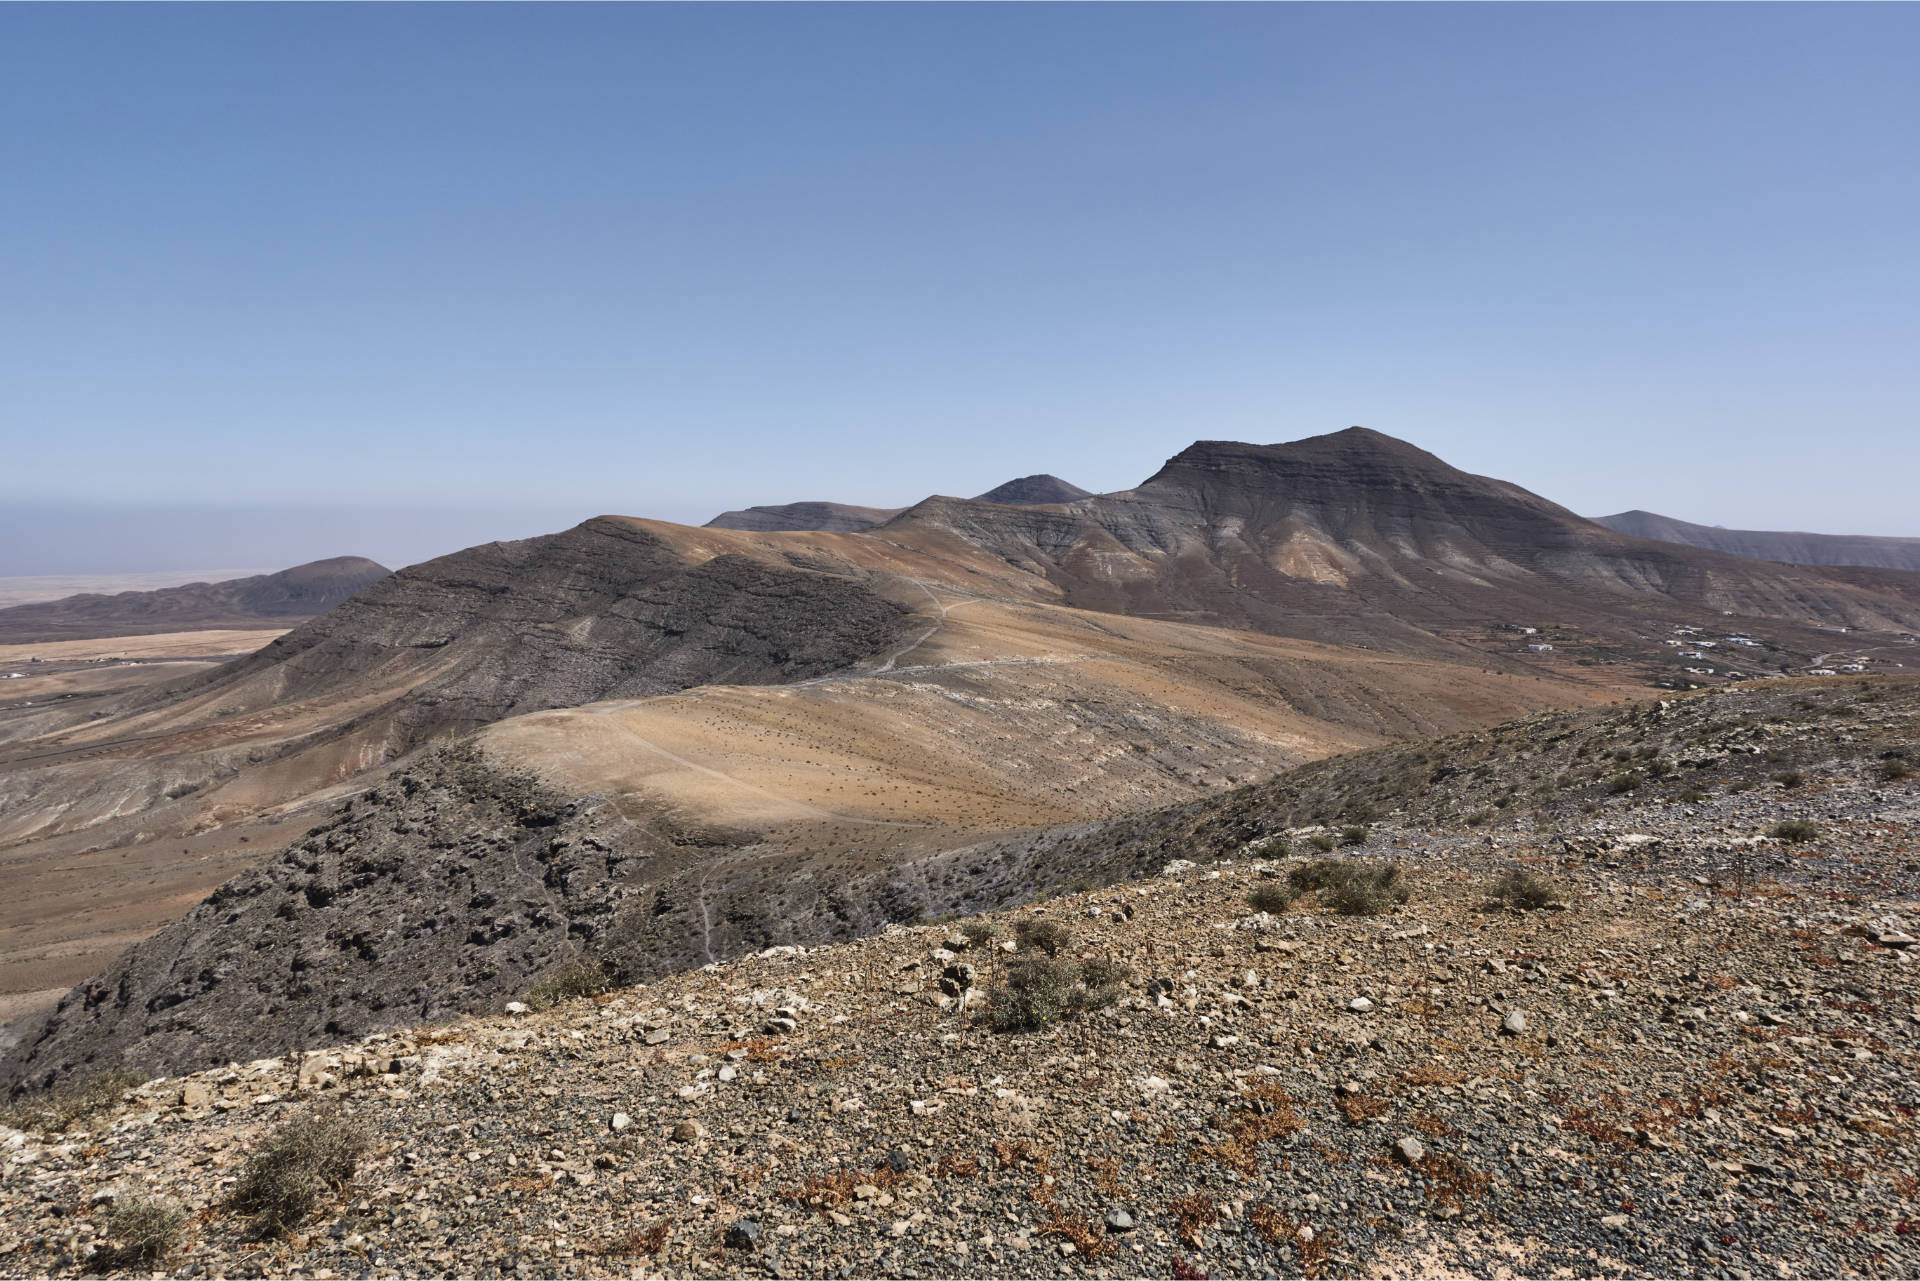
(1696, 645)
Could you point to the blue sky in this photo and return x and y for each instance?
(423, 275)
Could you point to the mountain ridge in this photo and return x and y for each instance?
(1794, 547)
(263, 600)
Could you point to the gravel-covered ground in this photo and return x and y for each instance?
(1700, 1063)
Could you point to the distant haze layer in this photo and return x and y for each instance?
(44, 539)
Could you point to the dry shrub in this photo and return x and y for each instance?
(1039, 934)
(1090, 1243)
(1042, 990)
(1196, 1213)
(1362, 1108)
(142, 1230)
(1523, 890)
(1012, 1152)
(576, 980)
(1431, 1074)
(1272, 899)
(1274, 1227)
(951, 1166)
(1451, 1181)
(1353, 887)
(979, 931)
(642, 1241)
(302, 1161)
(1269, 1115)
(1106, 1177)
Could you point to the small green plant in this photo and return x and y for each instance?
(1322, 842)
(1353, 835)
(1620, 784)
(1797, 830)
(1270, 898)
(302, 1161)
(1041, 990)
(1693, 796)
(1353, 887)
(142, 1230)
(577, 980)
(65, 1107)
(980, 931)
(1519, 888)
(1037, 934)
(1894, 768)
(1479, 818)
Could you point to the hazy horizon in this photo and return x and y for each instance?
(318, 280)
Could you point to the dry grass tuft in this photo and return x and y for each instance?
(65, 1107)
(302, 1161)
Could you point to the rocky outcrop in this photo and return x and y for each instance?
(265, 600)
(1794, 548)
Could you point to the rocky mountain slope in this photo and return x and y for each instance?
(1793, 548)
(265, 600)
(1699, 1061)
(454, 883)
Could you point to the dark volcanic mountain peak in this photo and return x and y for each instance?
(1350, 463)
(1359, 487)
(1310, 537)
(1033, 491)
